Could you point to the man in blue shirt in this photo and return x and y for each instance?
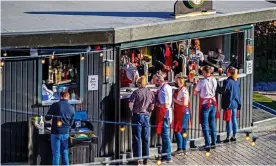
(62, 115)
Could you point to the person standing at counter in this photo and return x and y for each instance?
(141, 103)
(181, 115)
(164, 115)
(196, 55)
(231, 102)
(62, 114)
(207, 106)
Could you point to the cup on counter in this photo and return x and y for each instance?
(220, 71)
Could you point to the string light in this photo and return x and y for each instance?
(53, 56)
(207, 154)
(43, 61)
(82, 57)
(2, 63)
(122, 128)
(5, 53)
(247, 138)
(254, 141)
(59, 123)
(101, 54)
(184, 135)
(158, 162)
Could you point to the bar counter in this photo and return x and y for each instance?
(194, 132)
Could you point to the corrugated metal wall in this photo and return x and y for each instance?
(19, 98)
(244, 121)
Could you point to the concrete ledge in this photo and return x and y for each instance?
(188, 25)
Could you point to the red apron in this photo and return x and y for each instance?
(168, 56)
(227, 115)
(179, 112)
(209, 101)
(160, 114)
(124, 80)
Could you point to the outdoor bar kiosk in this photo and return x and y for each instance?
(221, 48)
(36, 67)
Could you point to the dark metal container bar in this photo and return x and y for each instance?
(19, 103)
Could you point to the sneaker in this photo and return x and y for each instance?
(145, 162)
(166, 161)
(177, 152)
(226, 140)
(205, 148)
(233, 139)
(213, 146)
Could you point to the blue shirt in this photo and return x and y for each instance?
(62, 112)
(231, 94)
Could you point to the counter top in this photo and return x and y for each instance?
(124, 94)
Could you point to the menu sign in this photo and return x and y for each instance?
(249, 67)
(93, 82)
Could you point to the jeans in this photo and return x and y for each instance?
(209, 119)
(232, 124)
(59, 144)
(181, 141)
(166, 141)
(140, 129)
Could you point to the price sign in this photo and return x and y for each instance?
(93, 82)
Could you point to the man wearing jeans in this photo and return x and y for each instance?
(164, 115)
(62, 115)
(141, 103)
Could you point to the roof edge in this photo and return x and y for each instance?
(196, 24)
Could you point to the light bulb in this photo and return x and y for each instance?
(43, 61)
(59, 123)
(101, 54)
(207, 154)
(253, 143)
(2, 63)
(247, 138)
(52, 57)
(82, 58)
(122, 128)
(184, 135)
(5, 54)
(158, 162)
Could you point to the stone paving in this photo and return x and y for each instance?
(259, 115)
(239, 153)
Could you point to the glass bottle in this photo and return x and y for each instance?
(73, 95)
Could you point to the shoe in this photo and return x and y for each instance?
(185, 152)
(177, 152)
(145, 162)
(166, 161)
(226, 140)
(139, 162)
(233, 139)
(213, 146)
(205, 148)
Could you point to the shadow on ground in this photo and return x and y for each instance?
(112, 14)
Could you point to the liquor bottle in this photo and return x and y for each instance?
(72, 72)
(50, 75)
(73, 96)
(55, 75)
(41, 125)
(58, 76)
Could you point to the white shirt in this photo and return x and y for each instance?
(183, 93)
(207, 87)
(199, 55)
(165, 96)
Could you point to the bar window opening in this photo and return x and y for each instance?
(60, 73)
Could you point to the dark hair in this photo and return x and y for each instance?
(207, 69)
(192, 48)
(64, 94)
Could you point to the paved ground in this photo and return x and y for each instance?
(259, 115)
(239, 153)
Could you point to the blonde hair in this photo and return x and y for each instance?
(181, 80)
(142, 81)
(197, 44)
(233, 72)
